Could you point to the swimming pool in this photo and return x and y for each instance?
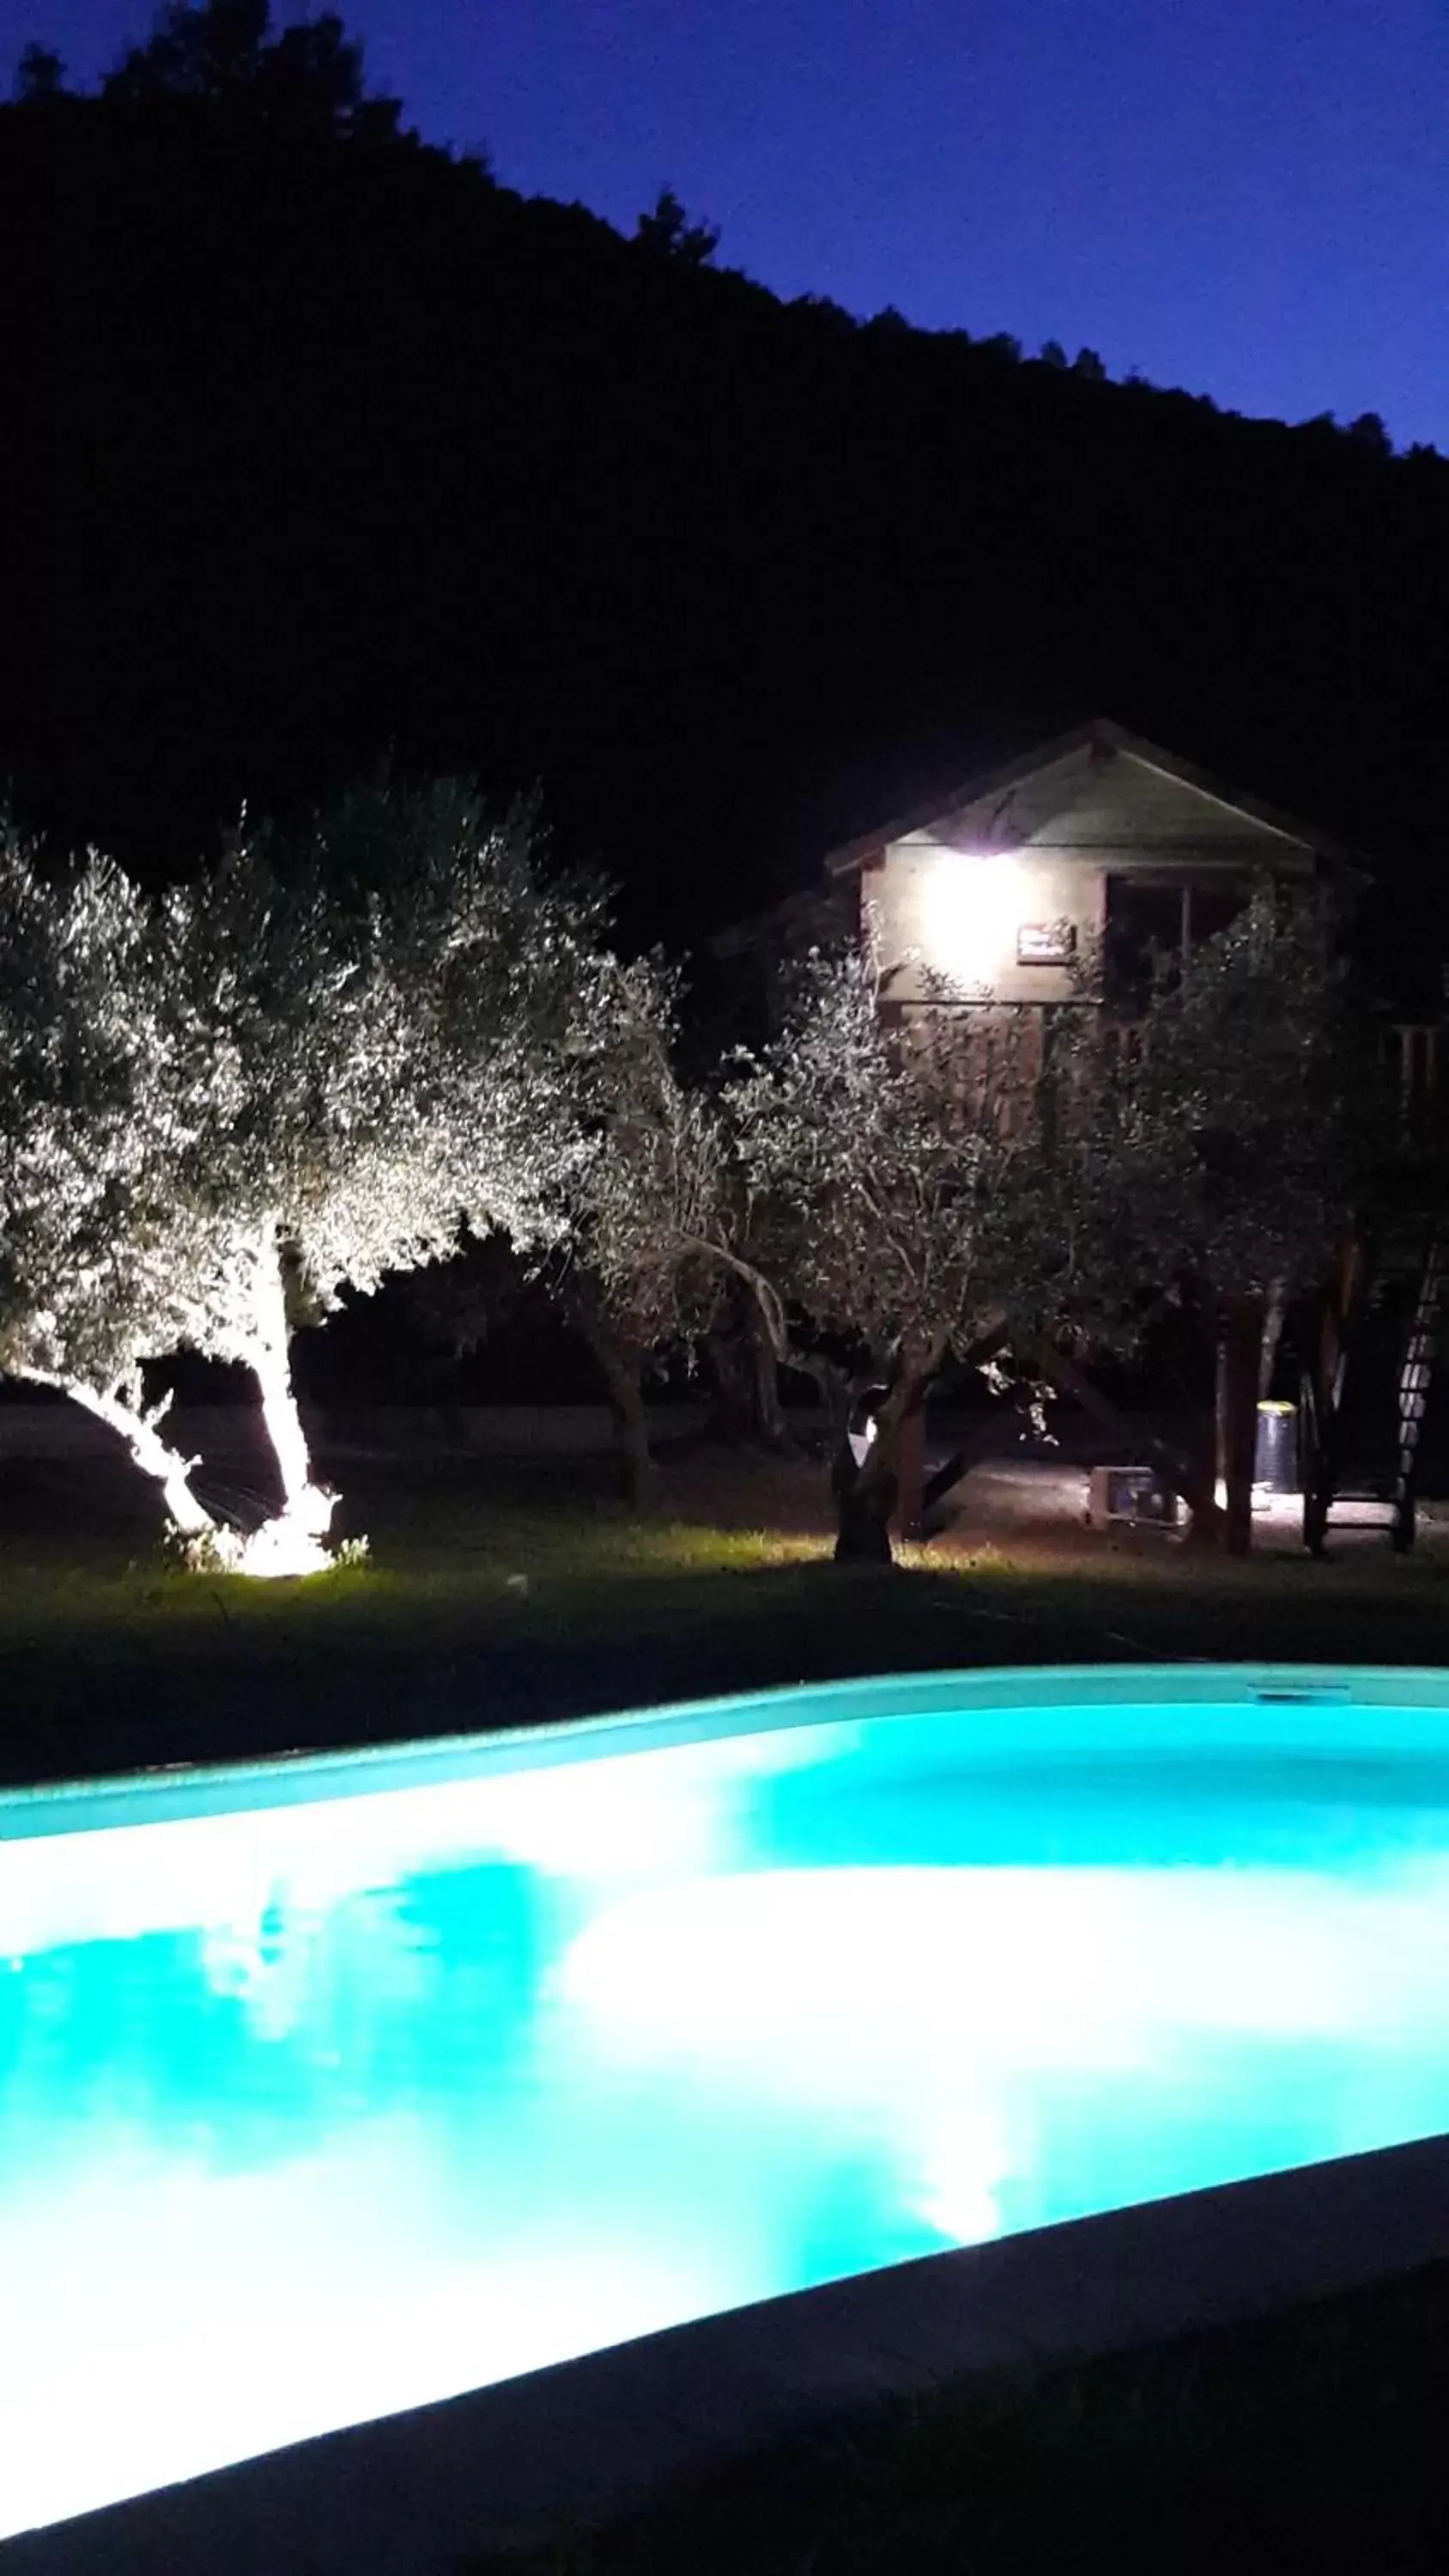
(331, 2087)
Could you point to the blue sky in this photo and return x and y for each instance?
(1246, 197)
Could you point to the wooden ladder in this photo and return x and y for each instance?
(1324, 1405)
(1415, 1378)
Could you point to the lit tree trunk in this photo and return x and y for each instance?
(730, 1407)
(1198, 1479)
(1202, 1441)
(866, 1494)
(621, 1367)
(292, 1543)
(638, 1471)
(271, 1362)
(1242, 1345)
(765, 1370)
(138, 1428)
(747, 1377)
(865, 1500)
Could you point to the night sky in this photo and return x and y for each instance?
(1246, 197)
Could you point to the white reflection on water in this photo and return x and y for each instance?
(943, 2006)
(315, 2113)
(176, 2317)
(623, 1816)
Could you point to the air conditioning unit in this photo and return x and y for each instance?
(1130, 1494)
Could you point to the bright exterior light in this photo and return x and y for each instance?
(313, 2112)
(292, 1543)
(972, 903)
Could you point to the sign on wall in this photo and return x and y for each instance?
(1046, 943)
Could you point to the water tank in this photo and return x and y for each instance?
(1275, 1459)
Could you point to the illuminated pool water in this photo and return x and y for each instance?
(330, 2088)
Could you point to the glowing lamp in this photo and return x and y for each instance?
(972, 903)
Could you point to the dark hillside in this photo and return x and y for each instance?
(317, 448)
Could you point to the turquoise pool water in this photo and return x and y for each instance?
(333, 2087)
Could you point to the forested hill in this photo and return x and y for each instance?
(316, 449)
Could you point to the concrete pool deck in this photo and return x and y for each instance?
(533, 2459)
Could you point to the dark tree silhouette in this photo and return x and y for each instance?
(308, 77)
(212, 51)
(39, 75)
(1369, 431)
(667, 233)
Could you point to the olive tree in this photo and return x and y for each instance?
(644, 1240)
(902, 1195)
(383, 1026)
(104, 1254)
(1246, 1125)
(920, 1189)
(304, 1068)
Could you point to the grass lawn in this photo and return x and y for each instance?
(496, 1596)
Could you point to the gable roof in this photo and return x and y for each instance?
(1104, 738)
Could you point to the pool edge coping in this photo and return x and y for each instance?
(526, 2462)
(190, 1789)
